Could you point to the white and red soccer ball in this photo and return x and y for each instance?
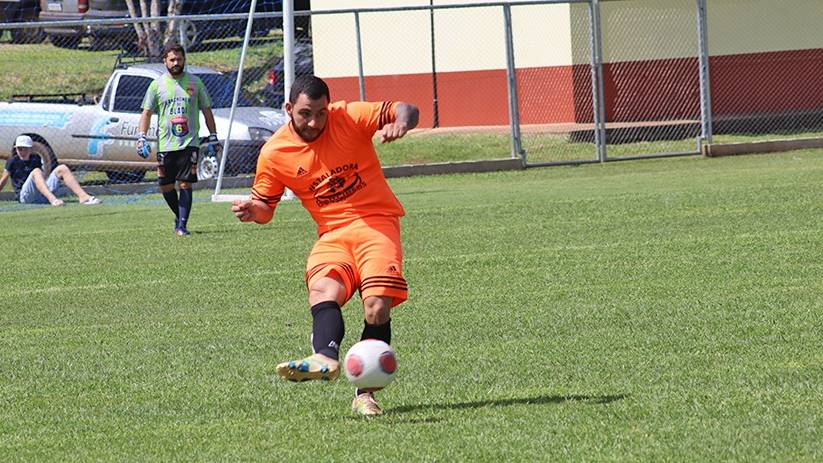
(370, 364)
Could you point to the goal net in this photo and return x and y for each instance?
(287, 65)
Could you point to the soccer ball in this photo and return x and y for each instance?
(370, 364)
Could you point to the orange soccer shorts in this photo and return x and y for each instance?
(366, 254)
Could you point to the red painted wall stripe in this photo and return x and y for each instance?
(775, 82)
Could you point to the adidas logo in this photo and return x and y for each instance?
(301, 171)
(392, 269)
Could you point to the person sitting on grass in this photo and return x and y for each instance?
(25, 168)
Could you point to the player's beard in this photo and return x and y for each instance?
(175, 70)
(306, 133)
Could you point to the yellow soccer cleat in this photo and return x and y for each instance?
(364, 404)
(316, 367)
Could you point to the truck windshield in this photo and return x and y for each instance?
(221, 91)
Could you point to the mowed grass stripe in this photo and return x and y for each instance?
(655, 310)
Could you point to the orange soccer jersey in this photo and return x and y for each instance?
(338, 176)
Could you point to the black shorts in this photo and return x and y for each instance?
(177, 166)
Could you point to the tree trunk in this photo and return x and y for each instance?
(138, 28)
(152, 40)
(174, 25)
(152, 36)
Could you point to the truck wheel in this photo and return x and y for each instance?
(191, 36)
(46, 154)
(207, 165)
(29, 35)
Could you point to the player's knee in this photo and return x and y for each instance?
(327, 289)
(376, 310)
(61, 169)
(167, 188)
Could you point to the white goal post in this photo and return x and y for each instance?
(288, 54)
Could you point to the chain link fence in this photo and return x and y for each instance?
(544, 82)
(765, 67)
(79, 92)
(651, 94)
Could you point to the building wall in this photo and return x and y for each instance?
(762, 52)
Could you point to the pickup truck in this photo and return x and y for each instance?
(100, 133)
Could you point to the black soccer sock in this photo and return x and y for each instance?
(171, 199)
(185, 206)
(327, 329)
(381, 332)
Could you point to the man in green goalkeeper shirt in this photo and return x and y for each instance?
(177, 97)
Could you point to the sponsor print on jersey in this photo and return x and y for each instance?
(180, 126)
(176, 105)
(338, 188)
(337, 184)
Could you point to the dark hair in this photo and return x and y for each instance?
(312, 86)
(173, 47)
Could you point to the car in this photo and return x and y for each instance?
(303, 65)
(124, 35)
(100, 133)
(12, 11)
(77, 10)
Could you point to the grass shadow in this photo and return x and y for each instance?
(539, 400)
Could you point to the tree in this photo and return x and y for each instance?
(151, 36)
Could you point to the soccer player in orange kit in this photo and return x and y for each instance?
(326, 157)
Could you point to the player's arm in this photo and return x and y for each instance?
(4, 178)
(265, 193)
(252, 210)
(145, 120)
(406, 117)
(149, 103)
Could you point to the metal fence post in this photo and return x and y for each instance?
(361, 81)
(598, 99)
(511, 74)
(435, 109)
(595, 82)
(705, 88)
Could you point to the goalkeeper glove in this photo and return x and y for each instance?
(214, 144)
(143, 147)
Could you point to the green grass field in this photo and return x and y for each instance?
(659, 310)
(44, 68)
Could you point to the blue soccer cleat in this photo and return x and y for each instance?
(316, 367)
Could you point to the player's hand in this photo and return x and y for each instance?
(392, 131)
(214, 144)
(143, 147)
(242, 209)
